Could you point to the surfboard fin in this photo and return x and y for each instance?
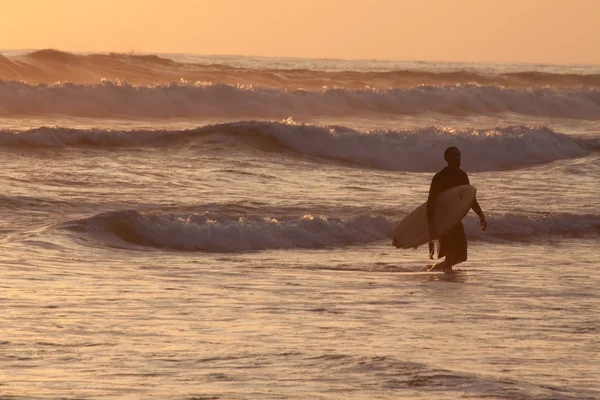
(431, 249)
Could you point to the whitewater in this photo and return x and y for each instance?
(179, 226)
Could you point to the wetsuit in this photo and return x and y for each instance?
(453, 244)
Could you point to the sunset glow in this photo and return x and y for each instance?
(552, 31)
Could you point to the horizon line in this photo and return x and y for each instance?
(134, 52)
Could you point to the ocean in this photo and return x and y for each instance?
(176, 226)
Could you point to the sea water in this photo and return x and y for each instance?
(199, 227)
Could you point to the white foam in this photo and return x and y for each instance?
(213, 231)
(202, 99)
(51, 65)
(528, 227)
(591, 142)
(217, 232)
(419, 150)
(416, 150)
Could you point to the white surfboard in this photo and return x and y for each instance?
(451, 207)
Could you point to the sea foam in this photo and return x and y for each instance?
(111, 99)
(413, 150)
(49, 66)
(219, 232)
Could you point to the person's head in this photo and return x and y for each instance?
(452, 157)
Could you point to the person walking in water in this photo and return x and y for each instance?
(453, 244)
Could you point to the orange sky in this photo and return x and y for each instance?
(550, 31)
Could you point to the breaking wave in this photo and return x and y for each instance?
(112, 99)
(221, 232)
(405, 150)
(49, 66)
(415, 150)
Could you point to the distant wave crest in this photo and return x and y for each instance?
(415, 150)
(49, 66)
(112, 99)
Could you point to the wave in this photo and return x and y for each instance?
(516, 227)
(415, 150)
(49, 66)
(201, 99)
(216, 232)
(223, 232)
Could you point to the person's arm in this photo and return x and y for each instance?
(475, 207)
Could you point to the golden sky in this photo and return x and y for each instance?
(548, 31)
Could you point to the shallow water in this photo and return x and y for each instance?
(361, 322)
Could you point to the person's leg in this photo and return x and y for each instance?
(450, 260)
(455, 247)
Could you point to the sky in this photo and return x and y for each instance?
(534, 31)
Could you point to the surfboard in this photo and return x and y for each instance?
(451, 207)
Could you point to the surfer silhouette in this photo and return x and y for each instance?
(453, 244)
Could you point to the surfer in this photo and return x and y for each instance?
(453, 245)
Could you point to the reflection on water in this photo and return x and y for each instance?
(93, 322)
